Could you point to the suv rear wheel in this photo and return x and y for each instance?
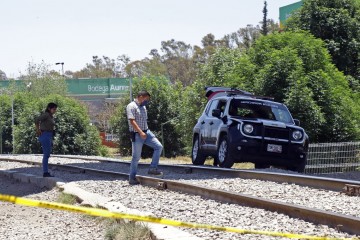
(197, 157)
(223, 153)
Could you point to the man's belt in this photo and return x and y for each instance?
(143, 131)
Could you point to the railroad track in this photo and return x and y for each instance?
(332, 184)
(346, 223)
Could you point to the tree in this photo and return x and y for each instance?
(328, 87)
(244, 38)
(40, 81)
(337, 22)
(104, 67)
(146, 67)
(174, 60)
(264, 27)
(3, 75)
(103, 117)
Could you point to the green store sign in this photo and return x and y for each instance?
(286, 11)
(94, 88)
(87, 89)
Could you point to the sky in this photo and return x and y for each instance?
(72, 31)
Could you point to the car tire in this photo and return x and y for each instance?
(216, 161)
(197, 157)
(300, 168)
(261, 166)
(223, 158)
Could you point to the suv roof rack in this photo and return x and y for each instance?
(212, 91)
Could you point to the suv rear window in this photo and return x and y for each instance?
(256, 109)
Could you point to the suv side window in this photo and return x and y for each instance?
(221, 106)
(213, 105)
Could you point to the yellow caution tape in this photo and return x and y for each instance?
(105, 213)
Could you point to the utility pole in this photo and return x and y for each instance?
(62, 67)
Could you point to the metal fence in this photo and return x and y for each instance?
(333, 157)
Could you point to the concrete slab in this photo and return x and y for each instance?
(7, 173)
(163, 232)
(120, 208)
(21, 177)
(86, 198)
(50, 182)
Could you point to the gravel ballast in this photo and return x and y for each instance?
(194, 209)
(284, 192)
(21, 222)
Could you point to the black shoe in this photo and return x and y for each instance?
(47, 175)
(134, 181)
(155, 171)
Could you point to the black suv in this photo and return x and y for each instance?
(237, 126)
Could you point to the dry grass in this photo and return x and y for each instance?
(121, 230)
(66, 198)
(112, 151)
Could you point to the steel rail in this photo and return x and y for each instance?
(332, 184)
(349, 224)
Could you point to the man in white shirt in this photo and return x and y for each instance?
(140, 135)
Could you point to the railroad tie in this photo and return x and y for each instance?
(161, 186)
(352, 190)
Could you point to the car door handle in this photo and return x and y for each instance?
(211, 123)
(202, 122)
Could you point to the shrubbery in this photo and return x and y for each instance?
(5, 123)
(74, 134)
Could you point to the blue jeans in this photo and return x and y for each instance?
(137, 145)
(46, 144)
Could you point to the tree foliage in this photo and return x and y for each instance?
(264, 27)
(104, 67)
(5, 124)
(74, 134)
(40, 81)
(337, 22)
(2, 75)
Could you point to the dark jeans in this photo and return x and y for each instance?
(137, 145)
(46, 144)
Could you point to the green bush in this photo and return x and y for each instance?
(74, 133)
(5, 124)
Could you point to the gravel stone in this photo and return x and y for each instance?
(21, 222)
(190, 208)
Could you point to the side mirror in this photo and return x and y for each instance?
(216, 113)
(297, 122)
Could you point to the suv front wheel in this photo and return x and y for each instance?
(223, 153)
(196, 155)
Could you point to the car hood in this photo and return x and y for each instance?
(265, 122)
